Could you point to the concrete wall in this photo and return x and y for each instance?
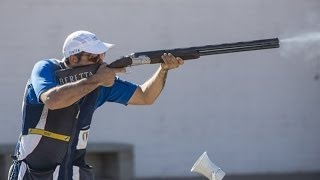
(253, 112)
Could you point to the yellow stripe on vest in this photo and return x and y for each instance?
(49, 134)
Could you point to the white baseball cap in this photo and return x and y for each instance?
(84, 41)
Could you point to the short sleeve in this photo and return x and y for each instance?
(120, 92)
(43, 77)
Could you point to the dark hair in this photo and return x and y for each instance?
(78, 55)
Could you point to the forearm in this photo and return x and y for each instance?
(67, 94)
(152, 88)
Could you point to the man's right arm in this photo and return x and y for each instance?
(65, 95)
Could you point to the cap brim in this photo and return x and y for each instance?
(98, 48)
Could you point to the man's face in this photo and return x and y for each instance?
(85, 58)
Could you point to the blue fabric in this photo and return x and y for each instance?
(43, 78)
(120, 92)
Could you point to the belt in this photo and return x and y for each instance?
(49, 134)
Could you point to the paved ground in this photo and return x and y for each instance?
(308, 176)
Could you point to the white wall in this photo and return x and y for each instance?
(252, 112)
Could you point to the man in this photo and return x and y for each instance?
(56, 116)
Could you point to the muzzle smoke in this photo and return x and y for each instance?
(306, 46)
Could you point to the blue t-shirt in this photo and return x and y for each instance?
(43, 78)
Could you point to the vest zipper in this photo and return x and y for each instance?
(68, 158)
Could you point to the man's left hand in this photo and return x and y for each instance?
(170, 62)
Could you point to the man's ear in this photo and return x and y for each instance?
(73, 60)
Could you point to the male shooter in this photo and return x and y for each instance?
(57, 116)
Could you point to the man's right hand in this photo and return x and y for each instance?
(105, 76)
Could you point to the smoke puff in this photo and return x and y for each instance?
(306, 46)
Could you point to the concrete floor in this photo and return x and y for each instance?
(296, 176)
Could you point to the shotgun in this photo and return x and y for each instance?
(153, 57)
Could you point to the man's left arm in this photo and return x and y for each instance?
(149, 91)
